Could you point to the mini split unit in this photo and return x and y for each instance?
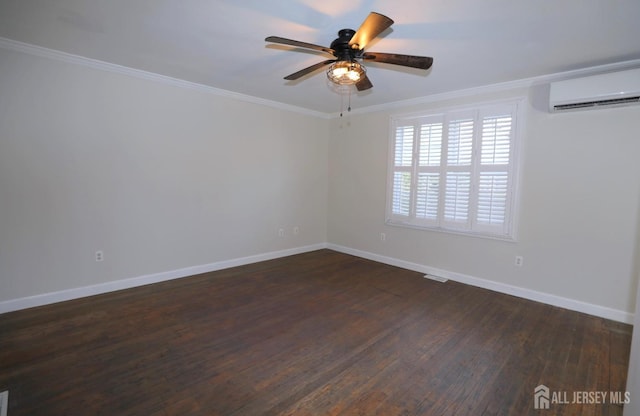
(596, 91)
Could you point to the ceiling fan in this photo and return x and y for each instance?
(348, 50)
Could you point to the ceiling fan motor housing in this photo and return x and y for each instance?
(343, 51)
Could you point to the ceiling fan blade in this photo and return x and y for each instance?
(364, 83)
(372, 26)
(308, 70)
(422, 62)
(291, 42)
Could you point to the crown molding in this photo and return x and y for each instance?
(40, 51)
(163, 79)
(498, 87)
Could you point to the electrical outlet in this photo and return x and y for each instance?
(383, 237)
(281, 232)
(519, 261)
(99, 255)
(296, 230)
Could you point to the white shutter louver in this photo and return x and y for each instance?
(460, 145)
(430, 144)
(492, 198)
(427, 195)
(496, 140)
(457, 192)
(401, 193)
(404, 146)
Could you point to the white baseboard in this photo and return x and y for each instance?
(571, 304)
(80, 292)
(75, 293)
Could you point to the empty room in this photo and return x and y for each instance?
(319, 208)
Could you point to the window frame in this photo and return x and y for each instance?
(481, 112)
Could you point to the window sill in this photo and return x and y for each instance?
(488, 236)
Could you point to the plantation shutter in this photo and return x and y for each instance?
(428, 170)
(457, 188)
(495, 171)
(402, 167)
(454, 171)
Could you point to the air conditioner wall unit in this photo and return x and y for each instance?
(596, 91)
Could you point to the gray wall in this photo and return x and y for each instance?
(157, 176)
(578, 208)
(162, 178)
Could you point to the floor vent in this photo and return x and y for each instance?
(436, 278)
(4, 403)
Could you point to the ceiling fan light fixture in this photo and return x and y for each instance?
(348, 50)
(346, 72)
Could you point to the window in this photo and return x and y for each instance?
(455, 170)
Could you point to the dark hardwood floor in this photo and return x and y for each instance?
(320, 333)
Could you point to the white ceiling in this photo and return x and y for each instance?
(221, 43)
